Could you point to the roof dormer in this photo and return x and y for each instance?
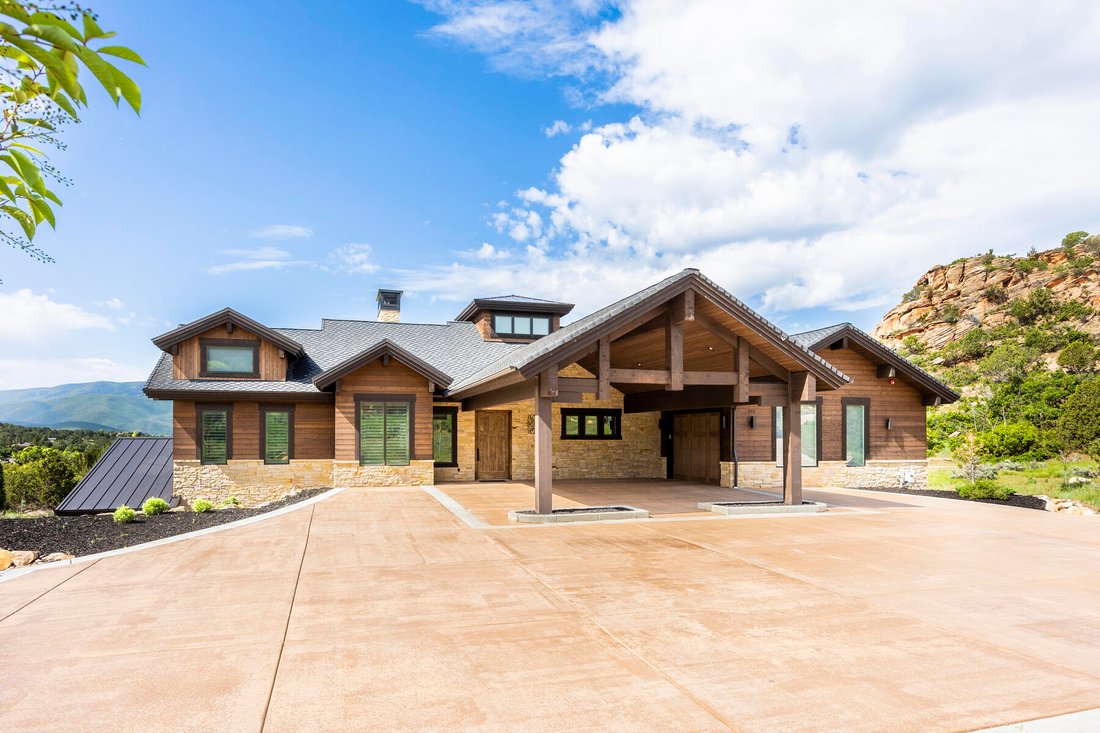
(515, 317)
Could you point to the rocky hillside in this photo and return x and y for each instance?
(991, 291)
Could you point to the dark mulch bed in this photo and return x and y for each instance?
(1021, 500)
(86, 534)
(756, 503)
(583, 510)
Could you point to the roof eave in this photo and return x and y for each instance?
(383, 348)
(167, 340)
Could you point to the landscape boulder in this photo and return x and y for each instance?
(5, 559)
(57, 557)
(23, 558)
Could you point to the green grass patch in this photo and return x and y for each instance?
(1045, 478)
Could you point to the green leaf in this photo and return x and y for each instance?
(126, 86)
(20, 216)
(42, 18)
(56, 67)
(28, 170)
(91, 28)
(100, 70)
(123, 53)
(15, 10)
(42, 211)
(63, 102)
(52, 197)
(6, 190)
(54, 35)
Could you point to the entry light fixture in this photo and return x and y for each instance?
(724, 425)
(752, 422)
(710, 348)
(889, 423)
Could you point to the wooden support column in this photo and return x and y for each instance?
(741, 367)
(802, 388)
(544, 452)
(603, 372)
(674, 354)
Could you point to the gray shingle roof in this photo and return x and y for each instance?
(809, 338)
(456, 349)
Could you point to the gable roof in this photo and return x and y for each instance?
(822, 337)
(385, 347)
(533, 357)
(221, 318)
(514, 302)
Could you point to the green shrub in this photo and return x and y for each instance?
(1072, 239)
(995, 294)
(984, 488)
(231, 501)
(124, 515)
(916, 292)
(39, 483)
(1038, 303)
(1079, 423)
(975, 344)
(154, 505)
(1028, 265)
(987, 258)
(1073, 310)
(3, 494)
(950, 314)
(913, 345)
(201, 505)
(1010, 440)
(1078, 357)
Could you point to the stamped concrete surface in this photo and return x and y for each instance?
(382, 610)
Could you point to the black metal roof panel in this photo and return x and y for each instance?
(131, 471)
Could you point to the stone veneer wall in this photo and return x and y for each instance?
(350, 473)
(832, 474)
(637, 455)
(251, 481)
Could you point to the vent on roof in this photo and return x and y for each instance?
(389, 306)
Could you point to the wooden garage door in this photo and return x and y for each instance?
(695, 447)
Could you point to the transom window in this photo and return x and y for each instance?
(277, 433)
(230, 358)
(445, 436)
(385, 430)
(520, 325)
(591, 424)
(215, 434)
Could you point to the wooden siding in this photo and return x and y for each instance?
(906, 441)
(394, 379)
(313, 431)
(187, 363)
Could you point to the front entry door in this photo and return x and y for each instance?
(494, 445)
(696, 437)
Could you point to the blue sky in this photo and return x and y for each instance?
(291, 158)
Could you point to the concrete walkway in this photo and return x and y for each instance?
(379, 609)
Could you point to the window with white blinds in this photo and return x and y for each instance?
(385, 428)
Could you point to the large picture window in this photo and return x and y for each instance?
(591, 424)
(385, 431)
(856, 433)
(215, 433)
(277, 433)
(520, 325)
(230, 358)
(445, 436)
(810, 419)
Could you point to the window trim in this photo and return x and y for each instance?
(866, 402)
(369, 397)
(775, 441)
(453, 412)
(513, 314)
(254, 344)
(598, 412)
(202, 407)
(275, 407)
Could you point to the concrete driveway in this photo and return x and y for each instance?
(379, 609)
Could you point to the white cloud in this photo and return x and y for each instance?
(30, 318)
(114, 304)
(557, 127)
(803, 157)
(282, 231)
(258, 258)
(355, 258)
(488, 252)
(30, 372)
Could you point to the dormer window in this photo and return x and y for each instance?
(520, 325)
(230, 358)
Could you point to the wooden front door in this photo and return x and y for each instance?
(494, 445)
(695, 442)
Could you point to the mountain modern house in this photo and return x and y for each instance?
(680, 380)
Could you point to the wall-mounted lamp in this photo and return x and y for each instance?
(889, 423)
(752, 422)
(724, 423)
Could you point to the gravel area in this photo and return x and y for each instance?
(90, 533)
(1023, 501)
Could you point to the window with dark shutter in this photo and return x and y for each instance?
(214, 436)
(384, 433)
(278, 426)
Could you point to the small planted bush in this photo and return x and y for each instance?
(124, 515)
(231, 501)
(984, 488)
(154, 505)
(202, 505)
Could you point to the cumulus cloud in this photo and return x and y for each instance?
(282, 231)
(355, 258)
(802, 156)
(33, 318)
(557, 127)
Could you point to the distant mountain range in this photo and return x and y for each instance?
(114, 406)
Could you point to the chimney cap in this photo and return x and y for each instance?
(389, 299)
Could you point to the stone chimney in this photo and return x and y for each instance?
(389, 306)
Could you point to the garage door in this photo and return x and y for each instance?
(695, 439)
